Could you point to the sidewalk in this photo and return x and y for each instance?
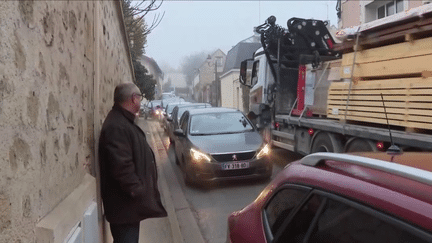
(180, 225)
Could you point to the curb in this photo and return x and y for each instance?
(184, 225)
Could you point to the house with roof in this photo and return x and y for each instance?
(153, 69)
(233, 94)
(354, 13)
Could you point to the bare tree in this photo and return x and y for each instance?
(139, 9)
(190, 65)
(137, 31)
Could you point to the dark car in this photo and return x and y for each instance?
(154, 109)
(168, 112)
(178, 110)
(330, 197)
(215, 144)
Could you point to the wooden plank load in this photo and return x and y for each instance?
(408, 102)
(395, 61)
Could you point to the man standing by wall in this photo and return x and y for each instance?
(128, 170)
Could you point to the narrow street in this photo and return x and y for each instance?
(212, 206)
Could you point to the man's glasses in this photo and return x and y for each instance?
(140, 95)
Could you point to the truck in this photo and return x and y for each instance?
(371, 90)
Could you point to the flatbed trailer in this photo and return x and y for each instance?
(295, 134)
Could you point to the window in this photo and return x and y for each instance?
(381, 12)
(297, 228)
(184, 122)
(255, 69)
(340, 222)
(280, 206)
(327, 218)
(390, 8)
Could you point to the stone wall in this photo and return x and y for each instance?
(59, 64)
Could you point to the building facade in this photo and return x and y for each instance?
(207, 89)
(153, 68)
(233, 94)
(354, 12)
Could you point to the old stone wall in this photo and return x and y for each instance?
(59, 64)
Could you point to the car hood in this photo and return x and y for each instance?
(227, 143)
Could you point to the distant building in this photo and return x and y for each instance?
(153, 69)
(231, 89)
(207, 88)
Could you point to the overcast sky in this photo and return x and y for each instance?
(190, 27)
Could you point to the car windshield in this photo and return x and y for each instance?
(170, 108)
(156, 103)
(167, 96)
(185, 108)
(219, 123)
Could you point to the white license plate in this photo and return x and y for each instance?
(235, 166)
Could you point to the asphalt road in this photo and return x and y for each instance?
(212, 206)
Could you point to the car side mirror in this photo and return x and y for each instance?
(169, 119)
(179, 132)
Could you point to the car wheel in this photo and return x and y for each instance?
(186, 169)
(177, 161)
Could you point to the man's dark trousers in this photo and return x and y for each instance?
(125, 233)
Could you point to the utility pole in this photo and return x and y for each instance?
(217, 81)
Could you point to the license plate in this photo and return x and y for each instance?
(235, 166)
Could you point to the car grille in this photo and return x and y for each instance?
(229, 157)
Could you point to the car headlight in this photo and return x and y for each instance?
(199, 156)
(157, 112)
(265, 151)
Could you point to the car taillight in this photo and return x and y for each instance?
(380, 146)
(311, 132)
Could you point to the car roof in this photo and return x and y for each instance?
(194, 104)
(178, 103)
(400, 184)
(212, 110)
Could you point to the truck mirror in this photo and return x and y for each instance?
(243, 71)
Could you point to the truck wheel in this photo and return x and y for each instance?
(326, 142)
(360, 145)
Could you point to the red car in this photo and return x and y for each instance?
(329, 197)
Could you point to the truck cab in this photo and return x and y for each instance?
(260, 83)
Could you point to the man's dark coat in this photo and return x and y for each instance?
(128, 171)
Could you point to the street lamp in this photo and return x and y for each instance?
(217, 81)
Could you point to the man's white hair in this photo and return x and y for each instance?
(124, 91)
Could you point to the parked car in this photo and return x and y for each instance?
(154, 109)
(167, 101)
(178, 110)
(143, 109)
(168, 112)
(330, 197)
(168, 95)
(215, 144)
